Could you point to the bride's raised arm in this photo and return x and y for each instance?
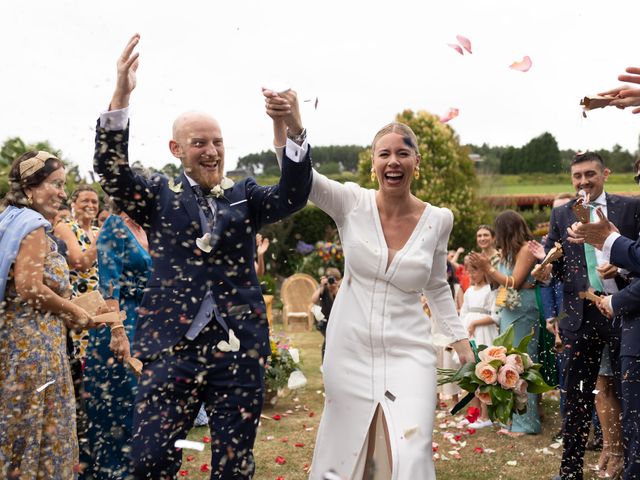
(334, 198)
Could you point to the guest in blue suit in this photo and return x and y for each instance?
(584, 330)
(625, 253)
(201, 331)
(124, 265)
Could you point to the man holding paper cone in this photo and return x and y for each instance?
(202, 331)
(584, 330)
(623, 252)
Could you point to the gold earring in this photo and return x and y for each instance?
(29, 201)
(373, 175)
(416, 173)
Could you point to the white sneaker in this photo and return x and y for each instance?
(480, 424)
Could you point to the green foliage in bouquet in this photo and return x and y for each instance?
(501, 377)
(281, 364)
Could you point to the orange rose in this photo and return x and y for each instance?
(508, 376)
(515, 361)
(484, 397)
(521, 387)
(486, 373)
(493, 353)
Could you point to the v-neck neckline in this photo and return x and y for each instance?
(383, 241)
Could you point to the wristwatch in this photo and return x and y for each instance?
(300, 138)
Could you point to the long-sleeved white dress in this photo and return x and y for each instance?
(379, 349)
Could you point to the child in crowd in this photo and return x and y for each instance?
(479, 317)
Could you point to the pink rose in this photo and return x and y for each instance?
(508, 377)
(484, 397)
(515, 361)
(493, 353)
(486, 373)
(521, 387)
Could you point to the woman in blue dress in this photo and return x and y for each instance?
(124, 265)
(514, 271)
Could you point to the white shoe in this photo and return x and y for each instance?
(480, 424)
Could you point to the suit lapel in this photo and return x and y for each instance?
(190, 203)
(614, 209)
(576, 249)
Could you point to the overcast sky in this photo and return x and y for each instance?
(364, 60)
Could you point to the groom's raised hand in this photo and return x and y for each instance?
(126, 80)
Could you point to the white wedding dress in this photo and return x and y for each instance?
(379, 348)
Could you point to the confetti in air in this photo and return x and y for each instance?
(450, 115)
(523, 65)
(465, 42)
(42, 387)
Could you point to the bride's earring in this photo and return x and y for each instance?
(373, 175)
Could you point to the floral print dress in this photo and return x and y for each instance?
(82, 282)
(37, 425)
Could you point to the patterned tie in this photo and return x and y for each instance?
(204, 205)
(590, 255)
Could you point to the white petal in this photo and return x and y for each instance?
(189, 444)
(409, 432)
(42, 387)
(295, 354)
(204, 243)
(317, 312)
(234, 343)
(226, 183)
(296, 380)
(223, 346)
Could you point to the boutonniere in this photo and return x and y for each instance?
(204, 243)
(175, 187)
(218, 190)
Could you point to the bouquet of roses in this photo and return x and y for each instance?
(501, 377)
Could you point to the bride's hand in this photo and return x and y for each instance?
(464, 351)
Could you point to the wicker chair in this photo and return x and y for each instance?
(296, 294)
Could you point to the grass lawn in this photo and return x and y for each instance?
(541, 188)
(293, 437)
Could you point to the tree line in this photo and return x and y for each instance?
(542, 155)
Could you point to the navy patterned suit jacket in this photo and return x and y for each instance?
(182, 273)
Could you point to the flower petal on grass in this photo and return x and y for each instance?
(280, 460)
(523, 65)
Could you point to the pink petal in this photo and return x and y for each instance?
(522, 66)
(457, 48)
(451, 114)
(465, 42)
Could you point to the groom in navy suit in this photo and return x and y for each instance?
(625, 253)
(585, 330)
(202, 331)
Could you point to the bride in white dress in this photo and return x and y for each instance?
(379, 366)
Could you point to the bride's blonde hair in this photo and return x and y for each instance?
(410, 138)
